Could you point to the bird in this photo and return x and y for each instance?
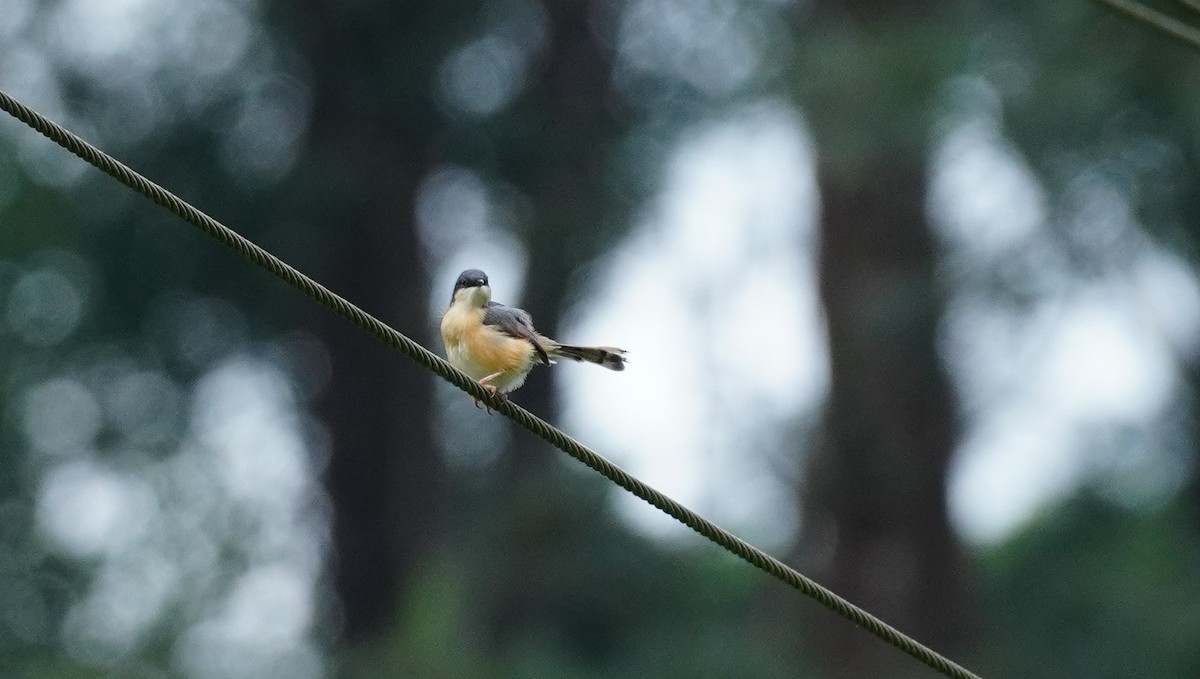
(497, 344)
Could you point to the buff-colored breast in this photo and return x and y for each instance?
(480, 350)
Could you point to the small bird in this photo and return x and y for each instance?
(497, 344)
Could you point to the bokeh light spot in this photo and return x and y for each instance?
(88, 510)
(61, 415)
(44, 307)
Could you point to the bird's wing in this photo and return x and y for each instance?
(514, 323)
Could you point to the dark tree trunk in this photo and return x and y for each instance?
(371, 65)
(383, 474)
(568, 183)
(573, 224)
(875, 492)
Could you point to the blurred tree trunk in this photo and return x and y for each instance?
(875, 494)
(371, 64)
(573, 221)
(384, 472)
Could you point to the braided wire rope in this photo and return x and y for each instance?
(1159, 21)
(534, 424)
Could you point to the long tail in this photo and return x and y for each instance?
(609, 357)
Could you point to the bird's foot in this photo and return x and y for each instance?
(497, 395)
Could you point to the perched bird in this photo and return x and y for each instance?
(497, 344)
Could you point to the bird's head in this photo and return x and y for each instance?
(471, 288)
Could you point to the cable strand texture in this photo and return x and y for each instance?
(1159, 21)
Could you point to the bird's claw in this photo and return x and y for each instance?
(496, 395)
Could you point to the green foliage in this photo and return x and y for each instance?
(870, 93)
(623, 609)
(1091, 590)
(1084, 88)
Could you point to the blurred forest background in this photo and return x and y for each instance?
(909, 291)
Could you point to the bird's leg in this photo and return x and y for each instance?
(492, 388)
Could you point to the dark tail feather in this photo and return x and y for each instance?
(609, 357)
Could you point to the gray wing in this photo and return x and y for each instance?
(514, 323)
